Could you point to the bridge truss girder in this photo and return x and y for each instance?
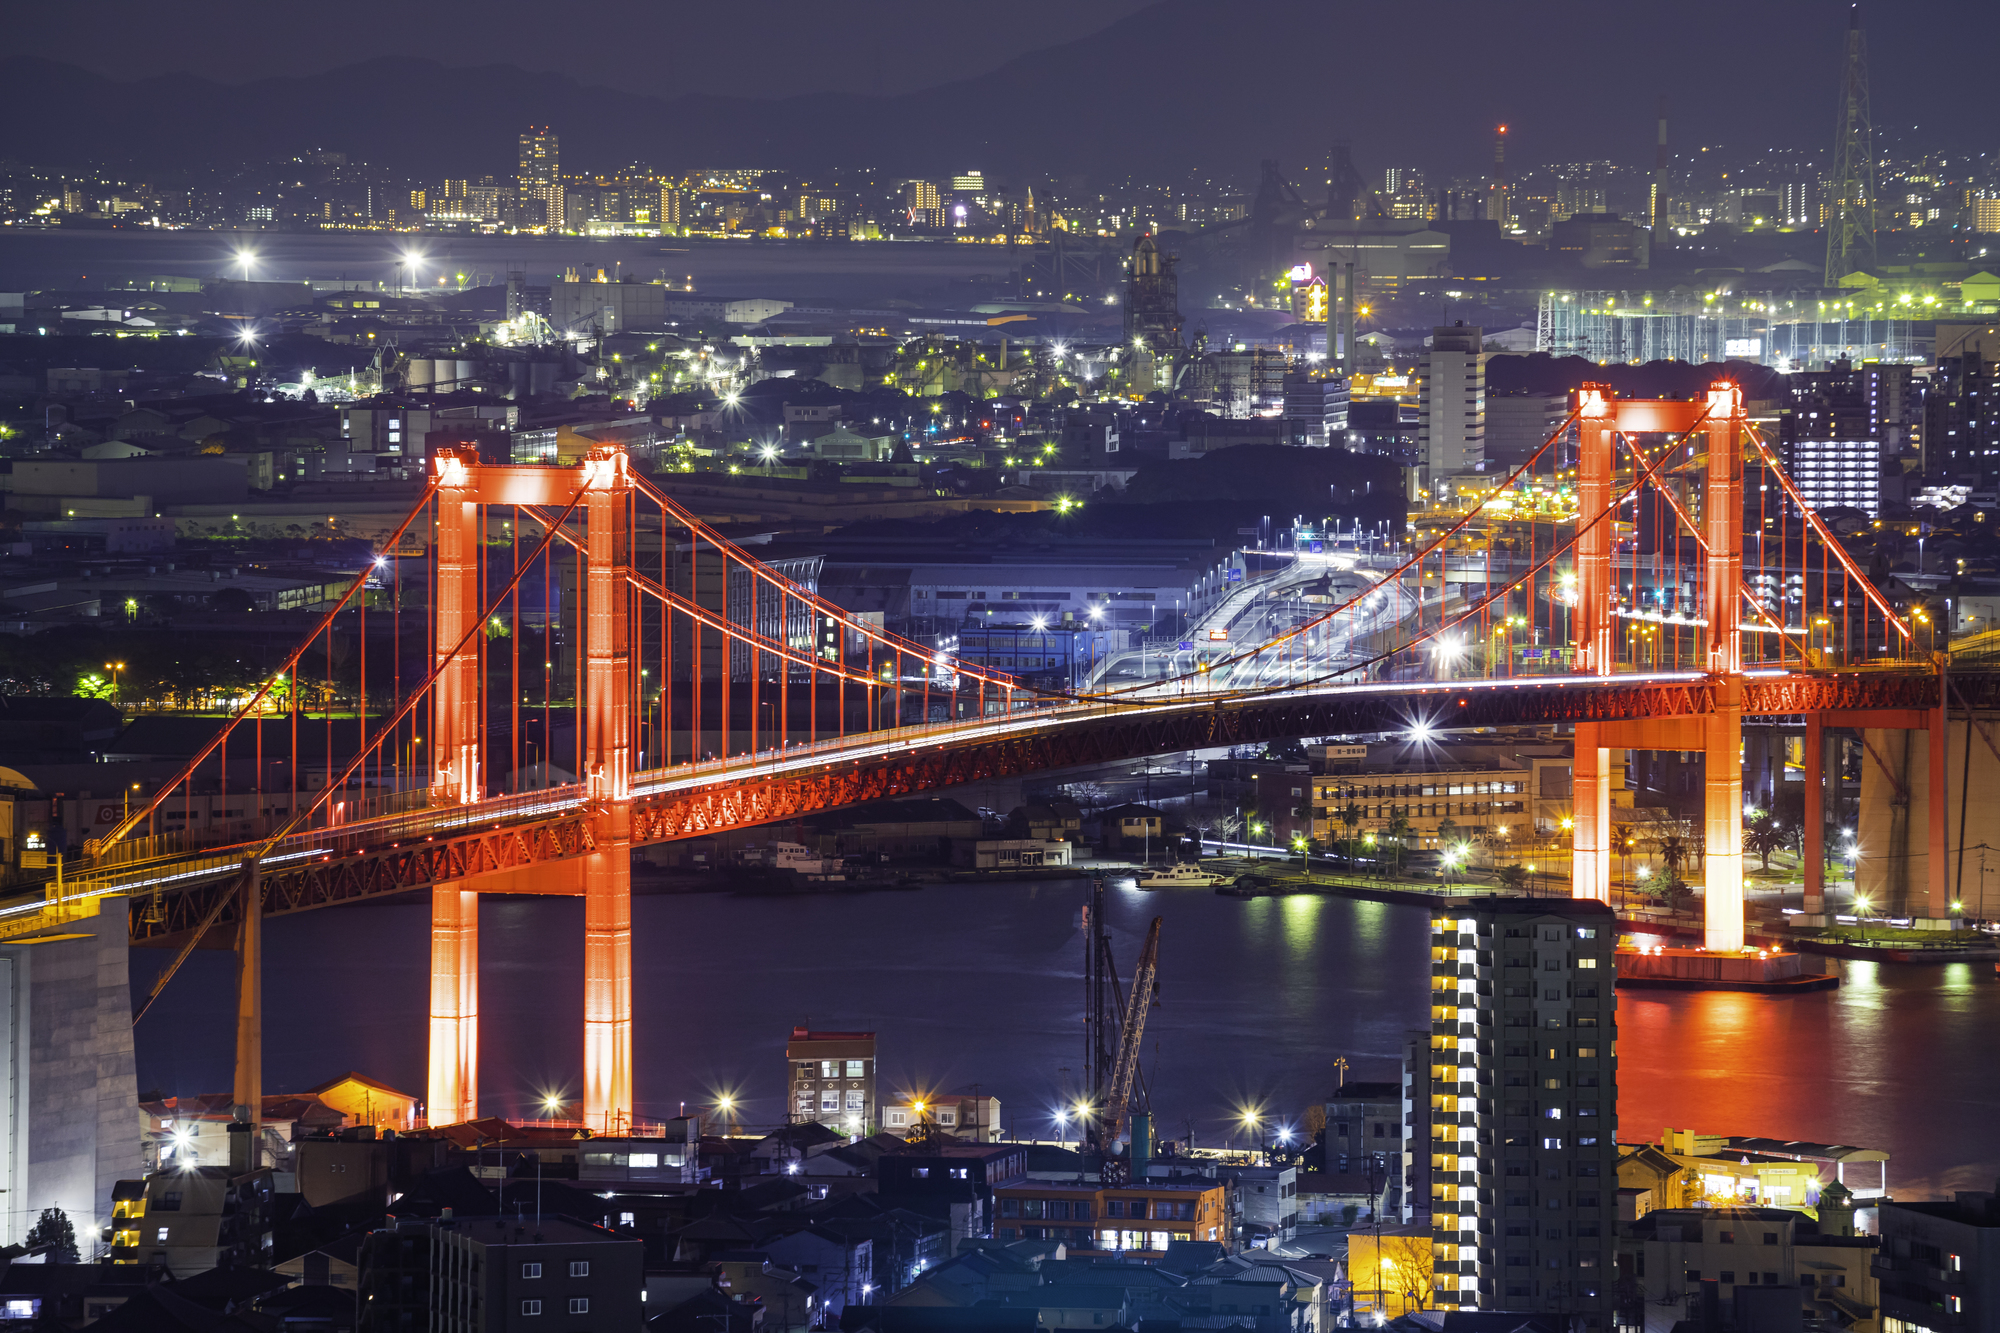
(746, 799)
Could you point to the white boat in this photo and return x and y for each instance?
(1183, 875)
(794, 857)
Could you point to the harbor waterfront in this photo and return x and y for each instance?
(1258, 998)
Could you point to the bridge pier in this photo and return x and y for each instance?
(607, 977)
(452, 1094)
(1722, 913)
(1600, 417)
(1590, 814)
(1722, 851)
(1815, 815)
(607, 871)
(1590, 767)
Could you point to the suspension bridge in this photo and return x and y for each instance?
(603, 670)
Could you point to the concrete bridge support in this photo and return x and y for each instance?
(1927, 839)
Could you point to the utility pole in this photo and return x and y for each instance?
(1850, 223)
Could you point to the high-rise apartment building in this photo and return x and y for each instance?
(1851, 402)
(539, 179)
(1524, 1106)
(1961, 403)
(921, 196)
(1451, 404)
(1836, 474)
(1364, 1138)
(832, 1080)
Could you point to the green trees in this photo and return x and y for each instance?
(1764, 835)
(1350, 817)
(53, 1229)
(1398, 833)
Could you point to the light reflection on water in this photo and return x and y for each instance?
(983, 983)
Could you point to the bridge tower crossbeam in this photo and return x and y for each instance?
(603, 490)
(1720, 417)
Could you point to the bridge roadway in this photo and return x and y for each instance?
(506, 834)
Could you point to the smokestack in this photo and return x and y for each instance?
(1140, 1156)
(1659, 201)
(1498, 209)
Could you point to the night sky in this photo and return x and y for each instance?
(728, 47)
(1092, 86)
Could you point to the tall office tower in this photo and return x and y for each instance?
(1657, 204)
(540, 179)
(833, 1080)
(668, 211)
(1524, 1106)
(920, 195)
(1850, 203)
(1451, 404)
(1500, 201)
(1404, 192)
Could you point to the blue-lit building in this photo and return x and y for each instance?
(1059, 656)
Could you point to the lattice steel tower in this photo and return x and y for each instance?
(1850, 218)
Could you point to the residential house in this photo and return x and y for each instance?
(367, 1101)
(1939, 1265)
(195, 1131)
(1133, 830)
(1051, 821)
(837, 1255)
(1364, 1147)
(790, 1302)
(1267, 1203)
(1138, 1220)
(966, 1114)
(195, 1219)
(1671, 1254)
(954, 1182)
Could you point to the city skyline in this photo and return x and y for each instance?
(1137, 666)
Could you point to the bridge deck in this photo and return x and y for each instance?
(412, 850)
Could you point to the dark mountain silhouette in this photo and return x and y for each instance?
(1182, 85)
(1540, 373)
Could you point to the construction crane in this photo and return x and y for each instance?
(1111, 1055)
(1118, 1090)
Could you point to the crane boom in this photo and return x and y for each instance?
(1133, 1028)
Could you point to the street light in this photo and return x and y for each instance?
(114, 668)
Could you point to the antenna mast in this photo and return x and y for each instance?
(1850, 223)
